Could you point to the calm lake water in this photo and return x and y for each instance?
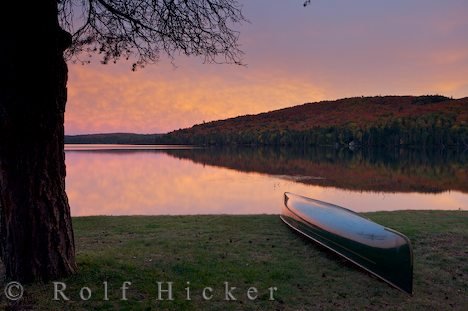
(163, 180)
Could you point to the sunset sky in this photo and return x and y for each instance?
(328, 50)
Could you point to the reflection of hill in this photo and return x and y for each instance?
(399, 171)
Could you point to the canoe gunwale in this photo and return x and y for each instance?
(308, 223)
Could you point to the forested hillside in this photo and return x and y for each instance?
(367, 121)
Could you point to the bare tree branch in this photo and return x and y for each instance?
(145, 29)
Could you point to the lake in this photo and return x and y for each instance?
(180, 180)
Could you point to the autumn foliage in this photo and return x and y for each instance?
(371, 121)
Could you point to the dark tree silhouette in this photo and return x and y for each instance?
(37, 240)
(146, 29)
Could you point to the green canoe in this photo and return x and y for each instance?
(381, 251)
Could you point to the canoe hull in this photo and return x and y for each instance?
(381, 251)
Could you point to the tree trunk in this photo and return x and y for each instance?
(36, 233)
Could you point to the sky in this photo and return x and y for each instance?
(328, 50)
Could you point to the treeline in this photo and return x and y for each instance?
(379, 121)
(113, 138)
(434, 129)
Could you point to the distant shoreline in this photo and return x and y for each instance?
(390, 121)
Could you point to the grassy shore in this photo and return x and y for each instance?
(252, 251)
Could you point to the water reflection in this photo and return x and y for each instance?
(252, 181)
(396, 170)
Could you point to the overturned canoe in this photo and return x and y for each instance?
(381, 251)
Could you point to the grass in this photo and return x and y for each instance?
(252, 251)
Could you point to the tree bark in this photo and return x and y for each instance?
(36, 235)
